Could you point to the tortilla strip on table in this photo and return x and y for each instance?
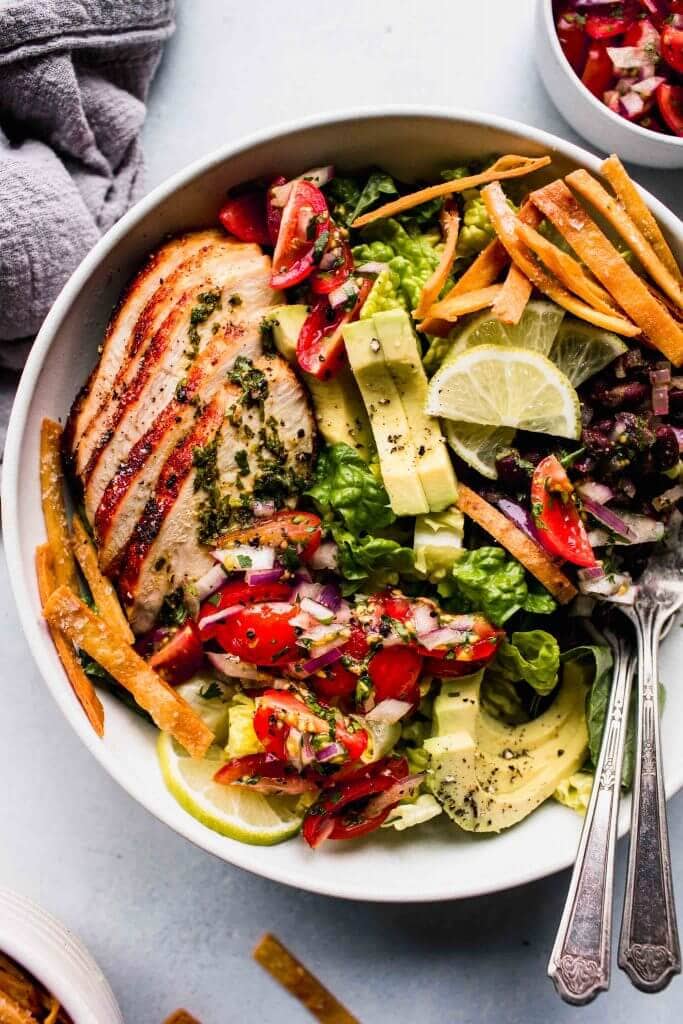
(80, 684)
(505, 167)
(101, 588)
(639, 212)
(517, 288)
(90, 633)
(525, 550)
(505, 222)
(54, 506)
(430, 291)
(300, 983)
(458, 305)
(590, 189)
(181, 1017)
(610, 268)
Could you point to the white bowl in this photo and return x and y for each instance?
(57, 959)
(609, 132)
(429, 863)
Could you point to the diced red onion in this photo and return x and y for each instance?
(646, 529)
(608, 518)
(623, 86)
(425, 617)
(648, 85)
(399, 791)
(591, 572)
(254, 577)
(235, 559)
(329, 260)
(647, 71)
(444, 637)
(302, 575)
(325, 636)
(307, 751)
(263, 509)
(326, 557)
(668, 498)
(372, 267)
(595, 491)
(627, 57)
(611, 100)
(343, 613)
(677, 20)
(632, 105)
(225, 613)
(599, 584)
(330, 596)
(331, 751)
(315, 664)
(520, 517)
(678, 431)
(389, 711)
(304, 221)
(307, 588)
(234, 667)
(319, 611)
(662, 375)
(660, 400)
(303, 621)
(344, 293)
(210, 582)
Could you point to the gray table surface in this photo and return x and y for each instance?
(169, 924)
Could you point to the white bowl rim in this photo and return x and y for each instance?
(37, 641)
(637, 130)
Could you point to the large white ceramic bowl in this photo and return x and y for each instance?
(57, 959)
(609, 132)
(429, 863)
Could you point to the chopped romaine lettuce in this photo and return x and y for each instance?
(490, 581)
(575, 792)
(379, 188)
(532, 657)
(345, 485)
(438, 542)
(406, 815)
(379, 559)
(410, 257)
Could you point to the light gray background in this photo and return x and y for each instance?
(170, 925)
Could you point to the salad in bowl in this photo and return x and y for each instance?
(354, 466)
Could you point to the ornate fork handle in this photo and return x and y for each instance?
(580, 961)
(649, 950)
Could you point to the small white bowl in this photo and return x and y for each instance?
(57, 959)
(591, 118)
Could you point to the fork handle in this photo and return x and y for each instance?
(580, 961)
(649, 950)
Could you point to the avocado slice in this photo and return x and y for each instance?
(390, 427)
(402, 356)
(339, 411)
(489, 775)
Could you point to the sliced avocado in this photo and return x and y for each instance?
(402, 355)
(339, 411)
(392, 433)
(489, 775)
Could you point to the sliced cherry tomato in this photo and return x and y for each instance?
(291, 710)
(265, 774)
(337, 680)
(273, 212)
(456, 661)
(599, 71)
(395, 606)
(181, 656)
(606, 26)
(640, 33)
(305, 219)
(238, 592)
(244, 216)
(271, 731)
(325, 281)
(395, 674)
(355, 742)
(320, 346)
(559, 525)
(672, 47)
(278, 531)
(670, 103)
(572, 38)
(261, 634)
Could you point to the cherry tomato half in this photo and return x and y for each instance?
(301, 529)
(606, 26)
(244, 216)
(599, 71)
(181, 656)
(238, 592)
(559, 525)
(273, 212)
(271, 731)
(325, 281)
(320, 346)
(337, 680)
(395, 673)
(261, 634)
(304, 220)
(672, 47)
(572, 38)
(670, 103)
(265, 774)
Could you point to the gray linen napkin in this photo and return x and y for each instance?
(74, 76)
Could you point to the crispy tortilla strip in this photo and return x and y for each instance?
(433, 286)
(53, 1015)
(590, 189)
(54, 508)
(300, 983)
(470, 302)
(92, 634)
(485, 270)
(181, 1017)
(566, 269)
(101, 588)
(80, 684)
(505, 223)
(639, 212)
(506, 167)
(13, 1013)
(611, 269)
(517, 543)
(517, 288)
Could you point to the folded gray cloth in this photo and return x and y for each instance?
(74, 76)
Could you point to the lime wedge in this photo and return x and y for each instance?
(505, 386)
(536, 330)
(234, 811)
(477, 444)
(581, 350)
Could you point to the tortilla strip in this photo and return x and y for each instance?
(639, 212)
(300, 983)
(102, 591)
(486, 269)
(600, 256)
(80, 684)
(566, 269)
(517, 288)
(505, 223)
(433, 286)
(470, 302)
(505, 167)
(517, 543)
(54, 507)
(612, 211)
(92, 634)
(181, 1017)
(13, 1013)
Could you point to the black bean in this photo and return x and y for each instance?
(665, 449)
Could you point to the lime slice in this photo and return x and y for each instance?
(581, 350)
(505, 386)
(234, 811)
(477, 444)
(536, 330)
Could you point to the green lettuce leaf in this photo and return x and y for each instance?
(532, 657)
(490, 581)
(379, 559)
(346, 486)
(411, 259)
(380, 186)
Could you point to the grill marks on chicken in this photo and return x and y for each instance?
(183, 419)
